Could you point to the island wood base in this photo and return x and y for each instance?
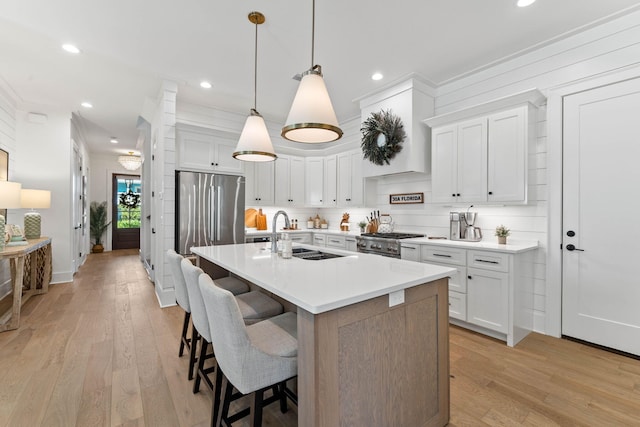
(369, 364)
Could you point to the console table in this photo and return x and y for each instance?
(30, 275)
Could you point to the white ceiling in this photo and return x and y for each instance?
(130, 46)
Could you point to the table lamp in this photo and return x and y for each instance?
(9, 199)
(34, 199)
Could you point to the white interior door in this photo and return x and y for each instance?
(601, 223)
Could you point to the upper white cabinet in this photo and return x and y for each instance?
(207, 150)
(507, 155)
(330, 187)
(480, 154)
(260, 184)
(289, 181)
(350, 181)
(314, 181)
(459, 170)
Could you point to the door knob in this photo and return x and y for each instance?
(571, 247)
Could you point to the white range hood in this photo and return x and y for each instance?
(413, 101)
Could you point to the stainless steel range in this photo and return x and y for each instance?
(387, 244)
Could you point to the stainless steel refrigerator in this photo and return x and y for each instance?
(209, 210)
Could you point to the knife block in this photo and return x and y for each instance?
(372, 227)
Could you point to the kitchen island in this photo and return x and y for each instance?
(372, 333)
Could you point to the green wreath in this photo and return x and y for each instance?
(129, 199)
(382, 136)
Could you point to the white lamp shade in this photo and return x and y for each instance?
(311, 118)
(10, 195)
(255, 144)
(35, 199)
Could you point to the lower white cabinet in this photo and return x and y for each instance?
(301, 237)
(491, 292)
(333, 241)
(319, 239)
(350, 244)
(488, 299)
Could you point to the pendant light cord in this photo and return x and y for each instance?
(313, 30)
(255, 72)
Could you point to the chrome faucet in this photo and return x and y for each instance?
(274, 235)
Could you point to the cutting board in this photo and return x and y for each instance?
(250, 218)
(261, 221)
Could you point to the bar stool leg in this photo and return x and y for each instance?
(256, 408)
(224, 410)
(195, 337)
(183, 337)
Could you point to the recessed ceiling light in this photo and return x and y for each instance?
(113, 140)
(525, 3)
(70, 48)
(205, 85)
(376, 76)
(87, 105)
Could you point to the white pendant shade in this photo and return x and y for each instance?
(254, 144)
(311, 118)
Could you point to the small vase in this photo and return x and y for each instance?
(502, 240)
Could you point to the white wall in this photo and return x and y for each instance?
(8, 144)
(43, 159)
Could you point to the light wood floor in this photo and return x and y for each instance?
(99, 352)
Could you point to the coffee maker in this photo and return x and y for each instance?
(461, 226)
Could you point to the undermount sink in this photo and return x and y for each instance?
(312, 254)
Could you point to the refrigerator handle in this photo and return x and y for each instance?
(218, 215)
(212, 212)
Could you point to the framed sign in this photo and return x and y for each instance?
(406, 198)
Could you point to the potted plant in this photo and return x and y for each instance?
(98, 224)
(362, 225)
(502, 232)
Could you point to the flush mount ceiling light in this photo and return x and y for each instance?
(87, 105)
(376, 76)
(312, 118)
(255, 144)
(525, 3)
(205, 84)
(129, 161)
(68, 47)
(113, 140)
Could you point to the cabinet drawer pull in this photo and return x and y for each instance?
(334, 241)
(442, 255)
(408, 247)
(487, 261)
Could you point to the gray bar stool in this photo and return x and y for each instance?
(269, 351)
(182, 298)
(255, 305)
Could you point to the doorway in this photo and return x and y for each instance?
(126, 211)
(600, 234)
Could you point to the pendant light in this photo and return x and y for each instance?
(312, 118)
(254, 144)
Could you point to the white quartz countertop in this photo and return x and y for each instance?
(512, 246)
(324, 285)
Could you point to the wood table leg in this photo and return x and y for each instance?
(17, 278)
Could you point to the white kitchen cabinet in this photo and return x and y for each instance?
(319, 239)
(491, 291)
(488, 299)
(330, 187)
(259, 188)
(333, 241)
(507, 155)
(460, 162)
(289, 181)
(480, 154)
(314, 181)
(350, 181)
(350, 244)
(301, 238)
(207, 151)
